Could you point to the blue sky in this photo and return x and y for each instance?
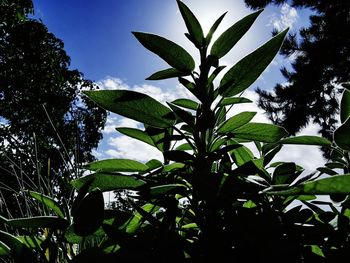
(97, 37)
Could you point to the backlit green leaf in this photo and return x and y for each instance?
(117, 165)
(306, 140)
(248, 69)
(341, 135)
(234, 100)
(48, 201)
(236, 121)
(166, 74)
(108, 182)
(136, 134)
(332, 185)
(192, 24)
(261, 132)
(134, 105)
(4, 249)
(232, 35)
(172, 53)
(186, 103)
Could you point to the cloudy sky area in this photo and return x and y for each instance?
(97, 36)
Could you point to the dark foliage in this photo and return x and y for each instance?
(40, 102)
(322, 62)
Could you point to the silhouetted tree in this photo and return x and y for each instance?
(44, 122)
(322, 62)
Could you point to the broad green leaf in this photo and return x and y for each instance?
(183, 115)
(234, 100)
(154, 164)
(345, 106)
(186, 103)
(31, 241)
(4, 249)
(19, 251)
(39, 222)
(192, 24)
(73, 238)
(249, 204)
(136, 134)
(173, 166)
(284, 173)
(213, 28)
(166, 74)
(232, 35)
(160, 137)
(184, 147)
(306, 140)
(261, 132)
(236, 121)
(242, 155)
(137, 220)
(341, 135)
(248, 69)
(108, 182)
(48, 201)
(189, 226)
(215, 73)
(117, 165)
(331, 185)
(172, 53)
(317, 250)
(89, 214)
(163, 190)
(134, 105)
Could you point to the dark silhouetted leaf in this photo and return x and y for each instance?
(213, 28)
(166, 74)
(172, 53)
(284, 173)
(178, 156)
(341, 135)
(345, 106)
(232, 35)
(248, 69)
(134, 105)
(192, 24)
(163, 190)
(89, 214)
(234, 100)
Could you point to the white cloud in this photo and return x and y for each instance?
(128, 148)
(287, 18)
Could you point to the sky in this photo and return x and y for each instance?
(97, 37)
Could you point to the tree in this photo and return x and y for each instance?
(46, 127)
(322, 62)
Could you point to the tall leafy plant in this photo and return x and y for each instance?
(209, 198)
